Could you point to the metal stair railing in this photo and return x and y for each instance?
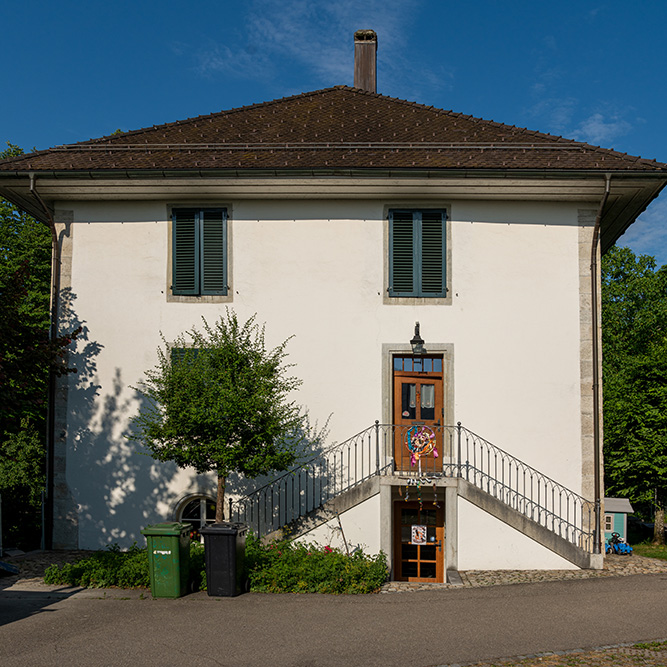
(310, 485)
(523, 488)
(461, 454)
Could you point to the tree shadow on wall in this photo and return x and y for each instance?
(113, 490)
(310, 444)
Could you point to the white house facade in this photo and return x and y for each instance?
(342, 218)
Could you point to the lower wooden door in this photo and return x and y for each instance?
(419, 542)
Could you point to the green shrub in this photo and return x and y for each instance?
(197, 567)
(104, 569)
(120, 569)
(289, 567)
(280, 567)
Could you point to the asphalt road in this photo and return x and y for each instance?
(403, 629)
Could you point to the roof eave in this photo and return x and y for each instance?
(618, 215)
(413, 172)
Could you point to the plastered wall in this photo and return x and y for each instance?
(314, 270)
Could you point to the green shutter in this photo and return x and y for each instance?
(185, 276)
(213, 252)
(199, 251)
(401, 257)
(433, 253)
(181, 355)
(177, 355)
(417, 253)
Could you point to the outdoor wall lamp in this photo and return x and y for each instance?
(417, 342)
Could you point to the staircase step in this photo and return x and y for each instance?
(454, 578)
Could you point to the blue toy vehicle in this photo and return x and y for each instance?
(617, 545)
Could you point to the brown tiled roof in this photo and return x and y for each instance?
(334, 128)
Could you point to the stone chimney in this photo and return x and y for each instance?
(365, 60)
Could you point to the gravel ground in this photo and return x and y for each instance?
(32, 565)
(653, 654)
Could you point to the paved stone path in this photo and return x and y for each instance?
(32, 566)
(614, 566)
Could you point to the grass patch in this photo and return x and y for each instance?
(290, 567)
(652, 646)
(650, 550)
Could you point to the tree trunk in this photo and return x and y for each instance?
(659, 525)
(220, 500)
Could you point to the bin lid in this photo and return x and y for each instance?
(169, 528)
(225, 528)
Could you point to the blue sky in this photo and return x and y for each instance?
(591, 71)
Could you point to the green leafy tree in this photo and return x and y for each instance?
(25, 270)
(218, 400)
(26, 358)
(634, 335)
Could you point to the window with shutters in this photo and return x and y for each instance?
(199, 251)
(417, 253)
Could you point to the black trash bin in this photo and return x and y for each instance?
(224, 551)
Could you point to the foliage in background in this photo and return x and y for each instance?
(113, 568)
(25, 354)
(291, 567)
(21, 482)
(634, 338)
(26, 357)
(280, 567)
(197, 566)
(104, 569)
(219, 400)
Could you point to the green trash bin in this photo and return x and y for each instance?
(168, 558)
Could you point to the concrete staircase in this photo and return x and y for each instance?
(489, 478)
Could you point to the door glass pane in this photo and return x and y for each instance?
(409, 569)
(409, 551)
(428, 395)
(427, 401)
(428, 517)
(418, 364)
(428, 552)
(407, 364)
(427, 570)
(409, 401)
(409, 516)
(398, 364)
(437, 365)
(428, 365)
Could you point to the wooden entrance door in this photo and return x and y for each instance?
(419, 562)
(418, 402)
